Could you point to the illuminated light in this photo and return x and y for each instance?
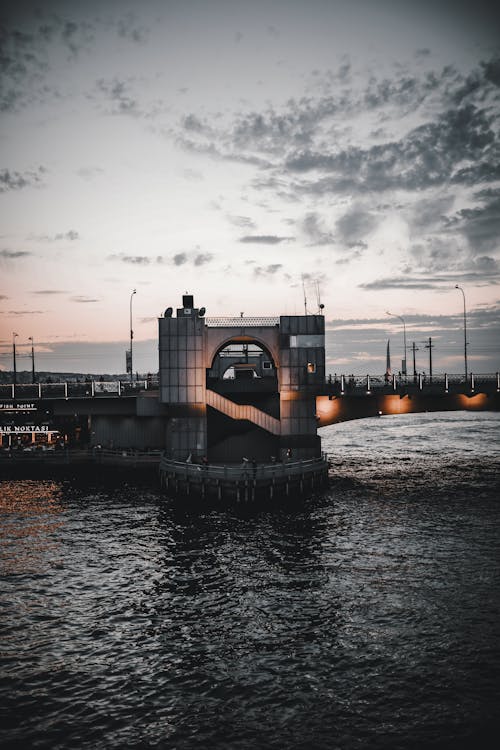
(327, 411)
(393, 404)
(478, 401)
(379, 413)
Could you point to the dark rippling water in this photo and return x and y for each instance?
(365, 617)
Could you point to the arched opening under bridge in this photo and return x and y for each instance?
(243, 371)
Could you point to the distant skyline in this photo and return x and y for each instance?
(242, 152)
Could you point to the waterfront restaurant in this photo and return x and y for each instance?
(24, 425)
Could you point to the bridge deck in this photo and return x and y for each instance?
(338, 386)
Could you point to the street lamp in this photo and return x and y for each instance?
(30, 338)
(403, 369)
(465, 331)
(131, 337)
(14, 335)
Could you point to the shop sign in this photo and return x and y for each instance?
(20, 429)
(9, 406)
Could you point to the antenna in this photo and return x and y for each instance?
(321, 306)
(305, 298)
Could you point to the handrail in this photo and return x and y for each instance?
(245, 471)
(120, 388)
(241, 322)
(243, 411)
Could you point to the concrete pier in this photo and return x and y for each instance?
(243, 483)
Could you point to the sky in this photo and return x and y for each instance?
(252, 154)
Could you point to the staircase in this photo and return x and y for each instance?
(243, 411)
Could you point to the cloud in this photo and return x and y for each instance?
(202, 258)
(88, 173)
(265, 239)
(48, 291)
(136, 260)
(439, 128)
(12, 180)
(481, 225)
(486, 271)
(314, 227)
(118, 96)
(267, 271)
(27, 49)
(492, 70)
(244, 222)
(128, 28)
(82, 298)
(179, 259)
(355, 224)
(12, 254)
(398, 282)
(428, 213)
(428, 156)
(71, 236)
(24, 312)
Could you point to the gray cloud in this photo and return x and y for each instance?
(179, 259)
(428, 156)
(12, 180)
(12, 254)
(138, 260)
(487, 271)
(481, 225)
(270, 270)
(244, 222)
(492, 71)
(71, 235)
(355, 224)
(128, 28)
(27, 47)
(88, 173)
(118, 96)
(82, 298)
(202, 258)
(302, 149)
(24, 312)
(265, 239)
(314, 228)
(398, 282)
(48, 291)
(428, 213)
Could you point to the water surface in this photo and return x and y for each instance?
(364, 617)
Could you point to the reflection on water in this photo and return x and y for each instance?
(365, 617)
(31, 514)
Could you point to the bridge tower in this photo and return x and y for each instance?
(240, 386)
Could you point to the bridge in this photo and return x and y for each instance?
(67, 406)
(73, 418)
(228, 391)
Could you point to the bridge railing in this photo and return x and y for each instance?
(339, 385)
(76, 389)
(95, 454)
(243, 471)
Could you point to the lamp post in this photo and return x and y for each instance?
(415, 349)
(131, 337)
(465, 331)
(14, 335)
(30, 338)
(403, 369)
